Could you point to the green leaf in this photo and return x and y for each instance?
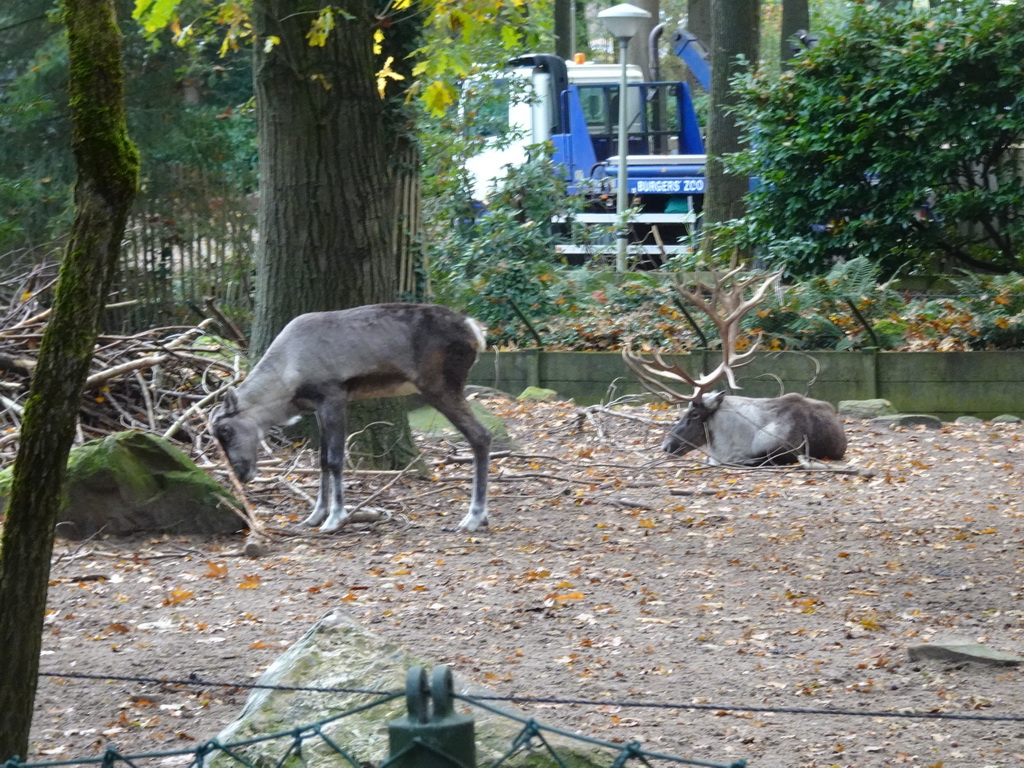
(154, 14)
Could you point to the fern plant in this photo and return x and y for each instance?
(845, 309)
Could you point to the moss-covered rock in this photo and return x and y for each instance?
(133, 482)
(324, 680)
(430, 421)
(538, 395)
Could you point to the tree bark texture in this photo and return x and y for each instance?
(565, 22)
(734, 32)
(698, 20)
(107, 166)
(326, 217)
(332, 213)
(698, 23)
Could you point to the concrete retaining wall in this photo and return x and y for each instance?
(944, 384)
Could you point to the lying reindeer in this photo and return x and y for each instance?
(322, 360)
(731, 429)
(754, 431)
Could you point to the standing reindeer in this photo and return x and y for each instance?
(322, 360)
(750, 431)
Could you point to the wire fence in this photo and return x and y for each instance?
(434, 735)
(431, 735)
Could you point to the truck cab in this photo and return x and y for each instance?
(575, 107)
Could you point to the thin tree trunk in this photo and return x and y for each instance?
(698, 20)
(795, 17)
(698, 23)
(639, 46)
(735, 32)
(565, 37)
(108, 169)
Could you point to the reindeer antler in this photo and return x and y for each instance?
(725, 307)
(647, 369)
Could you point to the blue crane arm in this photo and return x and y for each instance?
(688, 48)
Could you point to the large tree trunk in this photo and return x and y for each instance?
(734, 32)
(327, 214)
(108, 169)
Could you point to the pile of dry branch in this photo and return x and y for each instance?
(165, 381)
(162, 380)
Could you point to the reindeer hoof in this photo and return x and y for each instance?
(469, 527)
(332, 523)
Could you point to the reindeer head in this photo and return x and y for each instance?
(238, 435)
(691, 431)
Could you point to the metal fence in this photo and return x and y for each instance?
(431, 735)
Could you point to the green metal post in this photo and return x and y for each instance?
(432, 735)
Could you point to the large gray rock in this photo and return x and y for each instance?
(1007, 418)
(133, 482)
(336, 663)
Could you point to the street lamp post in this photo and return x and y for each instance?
(623, 22)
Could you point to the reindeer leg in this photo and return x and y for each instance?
(331, 417)
(323, 497)
(458, 412)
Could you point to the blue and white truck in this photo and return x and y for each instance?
(574, 106)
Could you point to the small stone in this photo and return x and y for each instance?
(909, 420)
(537, 395)
(255, 546)
(865, 409)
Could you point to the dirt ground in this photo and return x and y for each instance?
(608, 574)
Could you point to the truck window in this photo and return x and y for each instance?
(486, 104)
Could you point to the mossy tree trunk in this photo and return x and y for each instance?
(107, 166)
(327, 214)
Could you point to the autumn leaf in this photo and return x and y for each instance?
(321, 28)
(178, 595)
(438, 97)
(567, 597)
(250, 581)
(215, 570)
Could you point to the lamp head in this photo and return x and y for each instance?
(623, 20)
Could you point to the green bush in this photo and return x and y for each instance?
(897, 138)
(847, 309)
(497, 263)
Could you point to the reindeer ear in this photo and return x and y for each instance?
(230, 402)
(713, 400)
